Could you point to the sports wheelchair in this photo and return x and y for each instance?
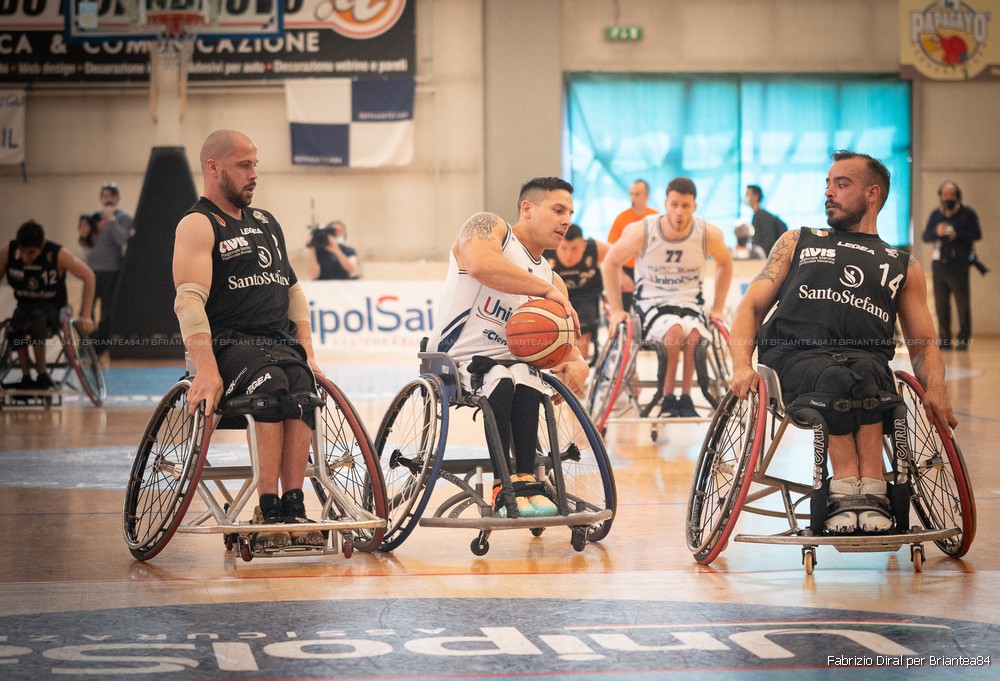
(571, 460)
(74, 370)
(616, 389)
(925, 470)
(172, 463)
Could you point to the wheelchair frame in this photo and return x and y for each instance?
(616, 368)
(172, 460)
(741, 444)
(413, 462)
(77, 360)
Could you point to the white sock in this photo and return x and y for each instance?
(848, 520)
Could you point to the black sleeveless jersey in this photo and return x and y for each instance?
(40, 282)
(842, 292)
(251, 273)
(583, 280)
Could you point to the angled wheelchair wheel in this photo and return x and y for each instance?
(714, 363)
(586, 470)
(942, 495)
(724, 472)
(609, 372)
(165, 473)
(6, 353)
(351, 462)
(409, 446)
(83, 358)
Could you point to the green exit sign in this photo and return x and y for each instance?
(623, 33)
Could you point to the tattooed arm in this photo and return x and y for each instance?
(921, 340)
(479, 251)
(758, 300)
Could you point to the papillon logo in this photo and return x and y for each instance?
(852, 277)
(360, 19)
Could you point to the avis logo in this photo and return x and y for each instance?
(360, 19)
(818, 253)
(852, 277)
(233, 244)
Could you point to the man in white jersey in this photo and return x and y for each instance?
(670, 253)
(492, 269)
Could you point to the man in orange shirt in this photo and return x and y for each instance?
(638, 194)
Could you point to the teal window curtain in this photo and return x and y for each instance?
(726, 132)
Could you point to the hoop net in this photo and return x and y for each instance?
(176, 37)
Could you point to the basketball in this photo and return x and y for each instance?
(540, 333)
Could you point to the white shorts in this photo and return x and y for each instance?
(520, 374)
(660, 327)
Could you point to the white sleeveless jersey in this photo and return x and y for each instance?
(669, 272)
(473, 318)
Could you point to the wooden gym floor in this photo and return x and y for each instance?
(73, 603)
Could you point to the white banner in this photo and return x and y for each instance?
(12, 106)
(372, 314)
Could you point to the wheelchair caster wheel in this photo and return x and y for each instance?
(246, 551)
(228, 540)
(480, 546)
(537, 531)
(347, 546)
(654, 434)
(579, 539)
(917, 556)
(809, 560)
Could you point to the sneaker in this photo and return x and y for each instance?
(686, 408)
(541, 505)
(26, 383)
(875, 520)
(846, 521)
(670, 407)
(269, 513)
(524, 507)
(293, 510)
(531, 503)
(44, 382)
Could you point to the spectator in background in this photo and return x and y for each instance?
(744, 250)
(952, 228)
(112, 228)
(578, 261)
(638, 194)
(332, 257)
(767, 227)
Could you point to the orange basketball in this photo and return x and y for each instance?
(540, 333)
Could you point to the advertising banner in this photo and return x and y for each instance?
(948, 39)
(12, 104)
(323, 38)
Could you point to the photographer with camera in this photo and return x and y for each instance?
(952, 228)
(332, 257)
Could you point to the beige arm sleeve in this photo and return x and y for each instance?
(298, 305)
(189, 306)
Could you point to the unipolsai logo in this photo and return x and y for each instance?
(360, 19)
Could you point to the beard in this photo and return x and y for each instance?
(240, 199)
(850, 220)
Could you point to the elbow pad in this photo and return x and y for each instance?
(298, 305)
(189, 306)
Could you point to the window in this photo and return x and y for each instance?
(728, 131)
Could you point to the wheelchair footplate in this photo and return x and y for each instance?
(15, 397)
(238, 537)
(853, 543)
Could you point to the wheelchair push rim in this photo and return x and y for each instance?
(83, 358)
(609, 373)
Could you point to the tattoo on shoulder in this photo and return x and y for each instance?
(479, 226)
(781, 251)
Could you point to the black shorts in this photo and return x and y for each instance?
(264, 366)
(37, 322)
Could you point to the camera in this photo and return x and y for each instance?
(974, 261)
(319, 236)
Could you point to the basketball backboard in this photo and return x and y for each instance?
(99, 20)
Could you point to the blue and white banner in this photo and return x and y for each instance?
(12, 106)
(354, 123)
(372, 314)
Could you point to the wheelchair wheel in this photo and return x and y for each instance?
(586, 470)
(609, 371)
(410, 445)
(83, 358)
(165, 472)
(724, 471)
(714, 363)
(6, 357)
(351, 462)
(942, 496)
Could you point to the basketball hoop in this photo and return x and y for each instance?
(175, 45)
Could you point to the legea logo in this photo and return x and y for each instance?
(852, 277)
(360, 19)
